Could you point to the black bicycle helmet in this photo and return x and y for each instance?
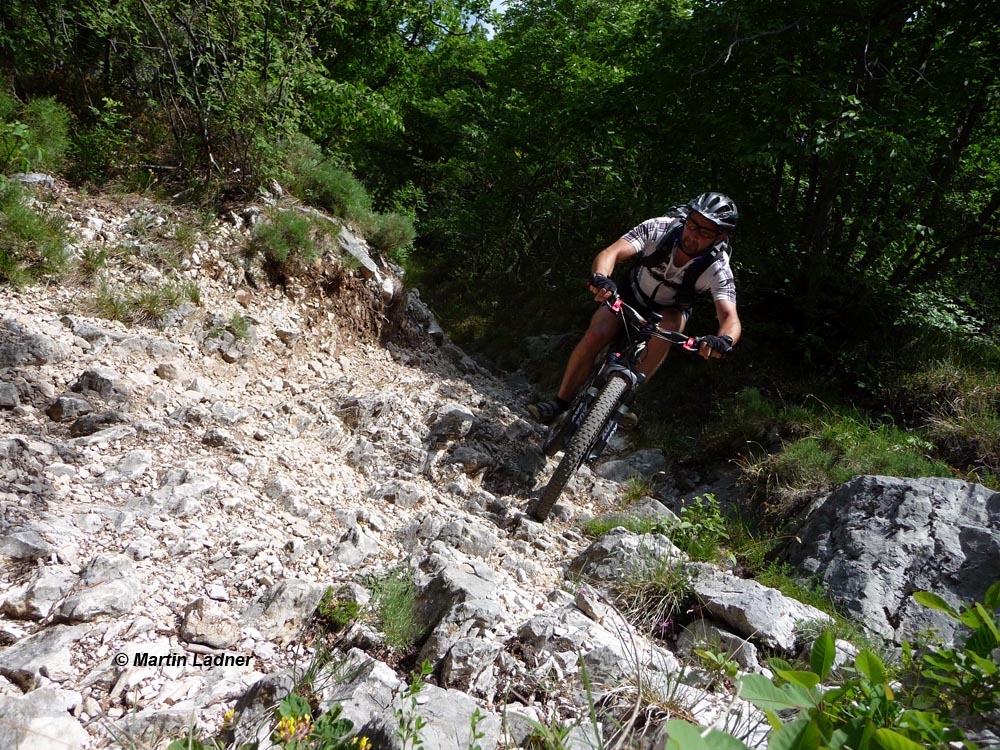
(718, 208)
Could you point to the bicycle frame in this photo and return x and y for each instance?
(622, 360)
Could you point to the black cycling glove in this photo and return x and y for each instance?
(721, 344)
(600, 281)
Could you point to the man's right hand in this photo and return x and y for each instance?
(602, 287)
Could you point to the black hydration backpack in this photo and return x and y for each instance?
(685, 289)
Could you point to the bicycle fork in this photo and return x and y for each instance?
(611, 426)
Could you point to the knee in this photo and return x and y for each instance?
(594, 340)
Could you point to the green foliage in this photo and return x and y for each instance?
(749, 420)
(146, 305)
(475, 733)
(653, 594)
(789, 581)
(963, 680)
(194, 742)
(318, 181)
(92, 261)
(636, 488)
(960, 405)
(853, 446)
(701, 530)
(392, 234)
(394, 605)
(336, 614)
(33, 137)
(720, 665)
(601, 525)
(409, 723)
(836, 450)
(287, 240)
(861, 711)
(104, 146)
(933, 309)
(858, 706)
(240, 326)
(297, 730)
(32, 245)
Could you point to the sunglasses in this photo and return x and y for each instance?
(701, 230)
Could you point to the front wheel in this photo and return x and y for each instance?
(579, 445)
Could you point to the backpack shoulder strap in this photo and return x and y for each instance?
(666, 243)
(686, 290)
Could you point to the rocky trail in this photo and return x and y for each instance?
(175, 500)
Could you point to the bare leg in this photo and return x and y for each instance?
(657, 349)
(604, 326)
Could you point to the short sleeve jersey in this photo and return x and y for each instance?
(660, 283)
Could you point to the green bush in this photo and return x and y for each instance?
(392, 234)
(336, 614)
(102, 148)
(654, 594)
(963, 680)
(860, 707)
(33, 137)
(601, 525)
(701, 530)
(315, 179)
(318, 181)
(32, 245)
(285, 239)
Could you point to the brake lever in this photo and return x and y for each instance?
(693, 344)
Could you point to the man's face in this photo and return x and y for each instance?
(699, 234)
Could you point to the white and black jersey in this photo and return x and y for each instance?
(663, 283)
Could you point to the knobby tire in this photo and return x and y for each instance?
(580, 444)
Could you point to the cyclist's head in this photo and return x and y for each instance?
(718, 209)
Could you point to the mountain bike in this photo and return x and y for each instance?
(583, 431)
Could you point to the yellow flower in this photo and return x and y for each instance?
(290, 728)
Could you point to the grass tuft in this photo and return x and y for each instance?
(32, 245)
(394, 605)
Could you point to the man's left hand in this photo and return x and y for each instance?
(718, 346)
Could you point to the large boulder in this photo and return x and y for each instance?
(875, 540)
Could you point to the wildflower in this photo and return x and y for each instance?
(227, 719)
(292, 729)
(362, 742)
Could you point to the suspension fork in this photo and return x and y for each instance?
(634, 380)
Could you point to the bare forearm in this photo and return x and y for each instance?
(606, 260)
(729, 321)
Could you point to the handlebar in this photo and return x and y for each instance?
(687, 343)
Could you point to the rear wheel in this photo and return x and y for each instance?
(579, 445)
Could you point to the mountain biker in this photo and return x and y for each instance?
(683, 253)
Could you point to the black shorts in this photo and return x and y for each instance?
(629, 297)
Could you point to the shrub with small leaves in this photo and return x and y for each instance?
(336, 614)
(701, 530)
(286, 240)
(32, 245)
